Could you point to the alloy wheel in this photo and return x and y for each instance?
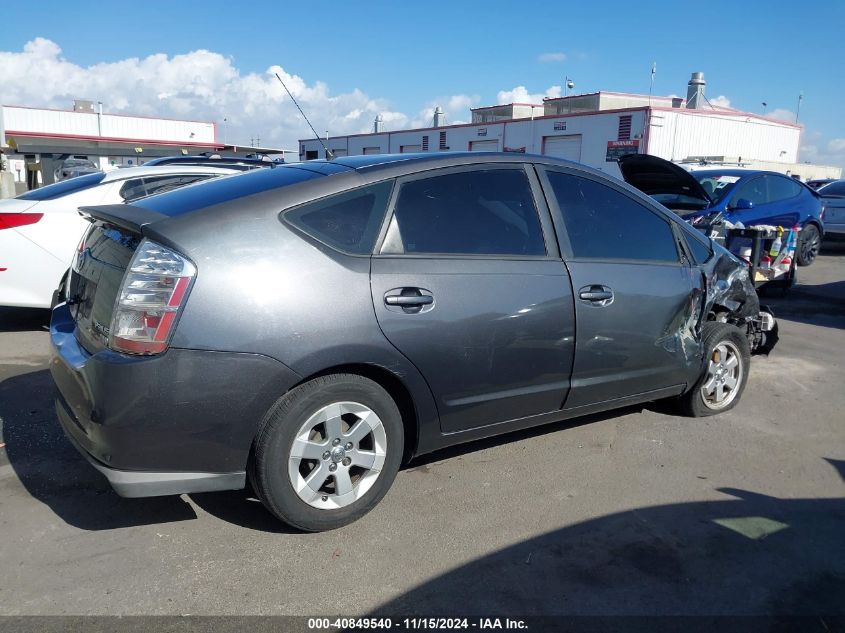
(724, 375)
(337, 455)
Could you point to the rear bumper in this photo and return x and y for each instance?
(183, 421)
(128, 483)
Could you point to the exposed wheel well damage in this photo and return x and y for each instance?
(394, 386)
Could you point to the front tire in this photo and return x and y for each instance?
(810, 243)
(327, 452)
(727, 362)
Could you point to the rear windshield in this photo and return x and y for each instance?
(224, 189)
(63, 188)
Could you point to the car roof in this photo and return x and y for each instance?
(164, 170)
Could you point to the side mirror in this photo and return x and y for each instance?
(743, 204)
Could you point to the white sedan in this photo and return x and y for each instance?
(40, 229)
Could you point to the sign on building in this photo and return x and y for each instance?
(617, 149)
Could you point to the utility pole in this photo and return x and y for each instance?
(651, 86)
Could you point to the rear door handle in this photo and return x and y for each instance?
(596, 295)
(409, 300)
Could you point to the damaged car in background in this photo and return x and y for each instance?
(312, 327)
(713, 195)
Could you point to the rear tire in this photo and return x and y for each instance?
(810, 243)
(327, 452)
(727, 360)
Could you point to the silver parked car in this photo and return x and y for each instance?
(833, 201)
(313, 325)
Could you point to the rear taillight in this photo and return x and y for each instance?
(14, 220)
(154, 289)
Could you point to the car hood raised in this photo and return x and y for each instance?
(654, 176)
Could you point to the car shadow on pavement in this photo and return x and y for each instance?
(749, 554)
(662, 407)
(23, 319)
(54, 473)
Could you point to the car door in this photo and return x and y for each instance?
(633, 292)
(776, 201)
(785, 205)
(833, 199)
(469, 286)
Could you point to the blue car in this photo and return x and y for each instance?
(706, 196)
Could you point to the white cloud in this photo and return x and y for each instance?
(815, 150)
(204, 85)
(836, 146)
(781, 114)
(551, 58)
(520, 94)
(454, 107)
(721, 101)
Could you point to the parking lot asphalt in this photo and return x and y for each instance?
(637, 511)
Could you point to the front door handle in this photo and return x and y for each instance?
(409, 301)
(596, 295)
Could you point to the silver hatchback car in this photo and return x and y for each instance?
(312, 326)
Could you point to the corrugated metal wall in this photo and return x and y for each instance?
(676, 135)
(66, 123)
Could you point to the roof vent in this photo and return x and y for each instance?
(378, 124)
(439, 117)
(695, 91)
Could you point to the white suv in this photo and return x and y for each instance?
(40, 229)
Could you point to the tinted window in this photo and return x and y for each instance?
(485, 212)
(753, 190)
(64, 187)
(349, 221)
(699, 245)
(781, 188)
(606, 224)
(219, 190)
(833, 189)
(140, 187)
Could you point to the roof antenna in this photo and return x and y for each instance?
(329, 154)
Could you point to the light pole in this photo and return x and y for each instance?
(567, 86)
(798, 109)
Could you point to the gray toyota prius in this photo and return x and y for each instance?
(310, 327)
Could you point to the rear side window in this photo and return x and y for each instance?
(781, 188)
(64, 188)
(348, 221)
(480, 212)
(699, 245)
(603, 223)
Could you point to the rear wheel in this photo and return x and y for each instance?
(810, 243)
(328, 452)
(725, 374)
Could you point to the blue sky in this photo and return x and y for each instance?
(406, 56)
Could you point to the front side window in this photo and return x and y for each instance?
(603, 223)
(753, 190)
(479, 212)
(347, 221)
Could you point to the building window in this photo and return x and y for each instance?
(443, 141)
(311, 154)
(425, 144)
(624, 128)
